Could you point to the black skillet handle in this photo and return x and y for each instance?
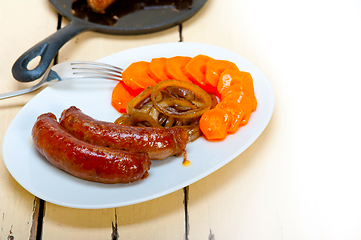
(46, 49)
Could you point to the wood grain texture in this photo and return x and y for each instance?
(295, 181)
(21, 29)
(299, 180)
(158, 218)
(102, 45)
(161, 218)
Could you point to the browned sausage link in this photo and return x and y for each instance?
(99, 6)
(159, 143)
(84, 160)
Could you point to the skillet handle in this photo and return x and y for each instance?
(46, 49)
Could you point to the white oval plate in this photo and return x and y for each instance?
(39, 177)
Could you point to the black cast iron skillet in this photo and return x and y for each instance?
(138, 18)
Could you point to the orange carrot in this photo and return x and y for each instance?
(220, 77)
(195, 70)
(231, 77)
(235, 113)
(174, 68)
(121, 95)
(136, 76)
(214, 124)
(215, 69)
(239, 107)
(157, 69)
(240, 89)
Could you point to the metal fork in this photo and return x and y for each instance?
(72, 70)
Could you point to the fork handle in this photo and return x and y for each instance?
(17, 93)
(47, 50)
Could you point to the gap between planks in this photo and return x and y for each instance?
(39, 204)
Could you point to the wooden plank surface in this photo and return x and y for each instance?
(21, 29)
(159, 218)
(299, 180)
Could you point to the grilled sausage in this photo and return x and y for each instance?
(99, 6)
(159, 143)
(84, 160)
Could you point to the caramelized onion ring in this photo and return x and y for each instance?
(170, 103)
(121, 119)
(199, 92)
(193, 130)
(137, 119)
(137, 103)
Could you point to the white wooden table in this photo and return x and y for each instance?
(299, 180)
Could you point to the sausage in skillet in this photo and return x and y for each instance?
(99, 6)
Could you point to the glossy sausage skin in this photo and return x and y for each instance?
(159, 143)
(84, 160)
(99, 6)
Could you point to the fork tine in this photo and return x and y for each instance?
(90, 65)
(97, 70)
(109, 77)
(61, 72)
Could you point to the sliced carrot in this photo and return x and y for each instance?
(157, 69)
(121, 95)
(214, 70)
(195, 70)
(239, 107)
(235, 113)
(240, 89)
(174, 68)
(136, 76)
(231, 77)
(214, 124)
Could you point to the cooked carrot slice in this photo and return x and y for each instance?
(157, 69)
(214, 70)
(231, 77)
(121, 95)
(214, 124)
(195, 70)
(240, 89)
(239, 107)
(136, 76)
(235, 113)
(174, 68)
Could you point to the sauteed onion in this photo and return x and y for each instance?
(180, 103)
(167, 104)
